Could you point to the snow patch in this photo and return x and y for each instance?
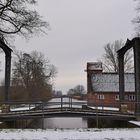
(104, 108)
(135, 122)
(71, 134)
(21, 109)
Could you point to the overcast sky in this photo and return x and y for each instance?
(79, 31)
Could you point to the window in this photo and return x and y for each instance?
(131, 97)
(117, 97)
(101, 97)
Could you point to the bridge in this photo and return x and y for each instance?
(59, 107)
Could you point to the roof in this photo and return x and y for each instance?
(109, 82)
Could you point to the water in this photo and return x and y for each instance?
(62, 122)
(69, 122)
(65, 123)
(52, 123)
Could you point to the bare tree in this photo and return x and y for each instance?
(32, 74)
(110, 58)
(17, 17)
(136, 20)
(77, 90)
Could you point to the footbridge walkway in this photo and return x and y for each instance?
(59, 107)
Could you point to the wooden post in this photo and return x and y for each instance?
(61, 103)
(96, 108)
(43, 108)
(7, 52)
(135, 43)
(29, 107)
(7, 75)
(121, 77)
(137, 76)
(42, 115)
(121, 53)
(71, 103)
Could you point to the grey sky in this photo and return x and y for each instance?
(79, 31)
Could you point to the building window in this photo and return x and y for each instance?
(117, 97)
(101, 97)
(131, 97)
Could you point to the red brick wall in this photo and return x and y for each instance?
(109, 100)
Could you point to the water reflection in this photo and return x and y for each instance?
(107, 123)
(52, 123)
(65, 123)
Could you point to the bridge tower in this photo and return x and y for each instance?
(7, 52)
(92, 68)
(135, 44)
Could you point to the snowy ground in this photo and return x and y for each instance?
(135, 122)
(71, 134)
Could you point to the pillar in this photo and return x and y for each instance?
(137, 76)
(7, 75)
(121, 77)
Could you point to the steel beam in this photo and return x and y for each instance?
(121, 77)
(137, 75)
(7, 52)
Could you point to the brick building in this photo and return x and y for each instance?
(103, 88)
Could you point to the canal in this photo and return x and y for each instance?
(68, 122)
(61, 122)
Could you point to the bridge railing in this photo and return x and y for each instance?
(124, 107)
(6, 107)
